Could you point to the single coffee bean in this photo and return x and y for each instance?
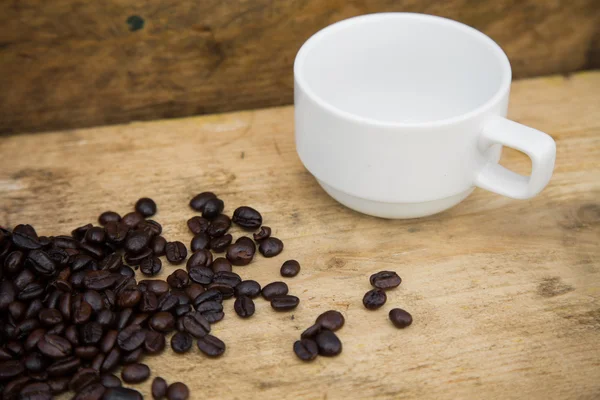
(35, 362)
(50, 316)
(132, 357)
(67, 242)
(240, 253)
(52, 297)
(135, 373)
(129, 297)
(41, 262)
(99, 280)
(8, 294)
(274, 289)
(136, 259)
(94, 250)
(91, 333)
(199, 201)
(195, 324)
(162, 322)
(248, 288)
(179, 279)
(24, 278)
(225, 289)
(79, 233)
(58, 385)
(385, 280)
(201, 258)
(400, 318)
(10, 369)
(146, 207)
(211, 346)
(63, 367)
(81, 313)
(158, 246)
(149, 303)
(290, 268)
(154, 343)
(201, 275)
(306, 349)
(132, 219)
(181, 342)
(109, 362)
(247, 217)
(95, 391)
(140, 319)
(14, 263)
(270, 247)
(34, 308)
(121, 393)
(116, 232)
(209, 295)
(178, 391)
(247, 241)
(151, 266)
(110, 381)
(198, 225)
(219, 244)
(82, 378)
(35, 391)
(12, 388)
(285, 303)
(17, 310)
(131, 337)
(32, 339)
(328, 343)
(60, 256)
(72, 335)
(108, 341)
(182, 310)
(200, 242)
(221, 264)
(244, 306)
(95, 235)
(374, 299)
(157, 286)
(176, 252)
(136, 242)
(32, 291)
(25, 327)
(94, 299)
(150, 227)
(181, 296)
(194, 290)
(263, 234)
(219, 226)
(83, 262)
(54, 346)
(25, 237)
(108, 216)
(331, 320)
(212, 208)
(229, 278)
(159, 388)
(168, 302)
(211, 310)
(86, 352)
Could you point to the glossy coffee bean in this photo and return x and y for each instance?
(154, 342)
(240, 253)
(178, 391)
(132, 219)
(328, 343)
(248, 288)
(229, 278)
(131, 338)
(225, 289)
(211, 346)
(219, 226)
(150, 227)
(110, 381)
(219, 244)
(244, 306)
(221, 264)
(385, 280)
(274, 289)
(211, 310)
(200, 242)
(212, 208)
(151, 266)
(247, 217)
(54, 346)
(285, 303)
(264, 233)
(146, 207)
(201, 258)
(374, 299)
(181, 342)
(400, 318)
(136, 242)
(201, 275)
(176, 252)
(116, 232)
(331, 320)
(198, 225)
(179, 279)
(158, 246)
(290, 268)
(159, 388)
(108, 216)
(199, 201)
(209, 295)
(25, 237)
(121, 393)
(162, 322)
(270, 247)
(306, 349)
(195, 324)
(95, 234)
(194, 290)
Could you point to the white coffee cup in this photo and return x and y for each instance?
(402, 115)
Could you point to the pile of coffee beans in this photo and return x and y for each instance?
(319, 338)
(375, 298)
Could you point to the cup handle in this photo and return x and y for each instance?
(539, 146)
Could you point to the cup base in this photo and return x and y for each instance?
(395, 210)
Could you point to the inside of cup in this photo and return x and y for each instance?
(403, 68)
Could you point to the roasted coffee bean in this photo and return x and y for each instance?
(86, 352)
(82, 313)
(331, 320)
(146, 207)
(149, 303)
(284, 303)
(247, 217)
(108, 341)
(240, 253)
(209, 295)
(95, 391)
(91, 333)
(157, 287)
(219, 226)
(167, 302)
(121, 393)
(106, 318)
(12, 388)
(127, 271)
(72, 335)
(199, 201)
(58, 385)
(178, 391)
(34, 362)
(246, 240)
(124, 318)
(194, 290)
(181, 342)
(158, 246)
(151, 266)
(290, 268)
(132, 219)
(32, 339)
(225, 289)
(131, 337)
(112, 262)
(400, 318)
(179, 279)
(135, 373)
(162, 322)
(94, 250)
(374, 299)
(270, 247)
(129, 297)
(51, 299)
(63, 367)
(110, 381)
(35, 391)
(25, 327)
(201, 275)
(306, 349)
(8, 294)
(116, 232)
(176, 252)
(58, 329)
(14, 262)
(219, 244)
(154, 343)
(79, 233)
(83, 378)
(221, 264)
(274, 289)
(25, 237)
(23, 279)
(95, 235)
(58, 255)
(99, 280)
(182, 310)
(201, 241)
(211, 310)
(198, 225)
(62, 286)
(140, 319)
(229, 278)
(328, 343)
(67, 242)
(94, 299)
(136, 242)
(159, 388)
(211, 346)
(34, 308)
(212, 208)
(82, 262)
(385, 280)
(10, 369)
(195, 324)
(263, 234)
(201, 258)
(132, 357)
(244, 306)
(17, 309)
(41, 262)
(248, 288)
(54, 346)
(50, 316)
(108, 216)
(109, 362)
(32, 291)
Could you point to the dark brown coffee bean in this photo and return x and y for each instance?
(176, 252)
(284, 303)
(25, 237)
(35, 391)
(374, 299)
(159, 388)
(229, 278)
(35, 362)
(54, 346)
(106, 318)
(135, 373)
(20, 281)
(158, 246)
(63, 367)
(82, 313)
(247, 217)
(247, 241)
(385, 280)
(199, 201)
(50, 316)
(132, 219)
(178, 391)
(221, 264)
(67, 242)
(225, 289)
(41, 262)
(179, 279)
(72, 335)
(10, 369)
(248, 288)
(270, 247)
(94, 250)
(129, 297)
(136, 242)
(116, 232)
(194, 290)
(99, 280)
(12, 388)
(290, 268)
(154, 343)
(137, 259)
(400, 318)
(131, 337)
(219, 226)
(198, 225)
(167, 302)
(274, 289)
(83, 378)
(219, 244)
(149, 303)
(108, 362)
(328, 343)
(83, 262)
(91, 333)
(58, 385)
(209, 295)
(112, 262)
(8, 294)
(95, 391)
(182, 297)
(244, 306)
(17, 310)
(240, 253)
(263, 234)
(110, 381)
(157, 286)
(201, 258)
(162, 322)
(212, 208)
(108, 216)
(201, 275)
(32, 291)
(86, 352)
(79, 233)
(182, 310)
(140, 319)
(181, 342)
(121, 393)
(34, 308)
(200, 242)
(151, 266)
(146, 207)
(15, 348)
(211, 346)
(306, 349)
(95, 235)
(14, 262)
(195, 324)
(108, 341)
(94, 299)
(331, 320)
(211, 310)
(132, 357)
(32, 339)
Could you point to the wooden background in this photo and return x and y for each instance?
(76, 63)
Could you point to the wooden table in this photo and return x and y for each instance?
(505, 294)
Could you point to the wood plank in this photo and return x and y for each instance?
(505, 294)
(75, 63)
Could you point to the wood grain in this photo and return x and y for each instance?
(505, 294)
(76, 63)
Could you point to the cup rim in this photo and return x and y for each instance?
(488, 104)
